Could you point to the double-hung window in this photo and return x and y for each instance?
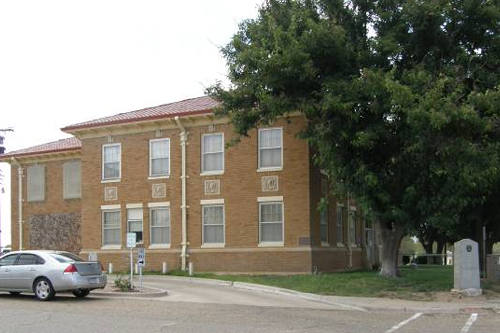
(111, 161)
(270, 148)
(159, 158)
(271, 222)
(111, 228)
(340, 225)
(160, 226)
(134, 222)
(212, 153)
(213, 224)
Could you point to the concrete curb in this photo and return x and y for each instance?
(430, 308)
(156, 293)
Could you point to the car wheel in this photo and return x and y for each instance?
(81, 292)
(14, 293)
(43, 289)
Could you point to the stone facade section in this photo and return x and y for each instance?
(212, 186)
(269, 183)
(110, 193)
(55, 232)
(159, 191)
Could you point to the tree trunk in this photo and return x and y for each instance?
(390, 236)
(440, 246)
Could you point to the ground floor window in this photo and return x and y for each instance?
(160, 226)
(271, 222)
(111, 228)
(134, 223)
(352, 227)
(213, 224)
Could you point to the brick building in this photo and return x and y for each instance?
(166, 174)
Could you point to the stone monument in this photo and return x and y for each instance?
(466, 268)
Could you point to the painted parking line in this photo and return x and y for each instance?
(404, 322)
(469, 323)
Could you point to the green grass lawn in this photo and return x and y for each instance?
(414, 283)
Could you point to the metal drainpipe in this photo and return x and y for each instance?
(183, 136)
(20, 200)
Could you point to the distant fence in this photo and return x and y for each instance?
(426, 259)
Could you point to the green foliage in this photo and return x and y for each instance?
(401, 97)
(123, 284)
(410, 247)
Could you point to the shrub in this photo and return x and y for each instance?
(123, 284)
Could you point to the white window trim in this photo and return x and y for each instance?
(325, 244)
(156, 205)
(110, 180)
(264, 169)
(267, 199)
(213, 172)
(150, 159)
(110, 208)
(135, 206)
(159, 204)
(213, 245)
(212, 202)
(273, 244)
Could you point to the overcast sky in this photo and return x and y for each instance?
(64, 61)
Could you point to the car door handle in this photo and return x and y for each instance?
(32, 269)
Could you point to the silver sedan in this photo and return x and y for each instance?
(48, 272)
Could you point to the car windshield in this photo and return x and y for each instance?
(66, 257)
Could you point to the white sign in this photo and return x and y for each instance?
(141, 257)
(131, 240)
(92, 256)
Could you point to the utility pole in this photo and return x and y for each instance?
(2, 190)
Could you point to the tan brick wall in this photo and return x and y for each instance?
(54, 202)
(299, 184)
(240, 187)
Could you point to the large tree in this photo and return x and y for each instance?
(401, 98)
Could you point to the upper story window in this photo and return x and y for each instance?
(159, 158)
(36, 183)
(212, 153)
(72, 180)
(111, 161)
(270, 148)
(352, 227)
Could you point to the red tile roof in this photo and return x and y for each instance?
(193, 106)
(51, 147)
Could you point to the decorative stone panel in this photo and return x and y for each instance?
(269, 183)
(212, 186)
(110, 193)
(55, 232)
(159, 191)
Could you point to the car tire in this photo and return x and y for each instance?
(15, 293)
(43, 289)
(80, 292)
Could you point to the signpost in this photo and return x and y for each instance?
(141, 261)
(131, 242)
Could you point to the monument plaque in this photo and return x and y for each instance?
(466, 268)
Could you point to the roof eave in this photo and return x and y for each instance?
(7, 157)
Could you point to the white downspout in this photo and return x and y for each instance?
(183, 136)
(20, 200)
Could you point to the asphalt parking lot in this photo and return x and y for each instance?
(195, 307)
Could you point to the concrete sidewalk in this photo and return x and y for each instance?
(364, 304)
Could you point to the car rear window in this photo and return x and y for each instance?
(66, 257)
